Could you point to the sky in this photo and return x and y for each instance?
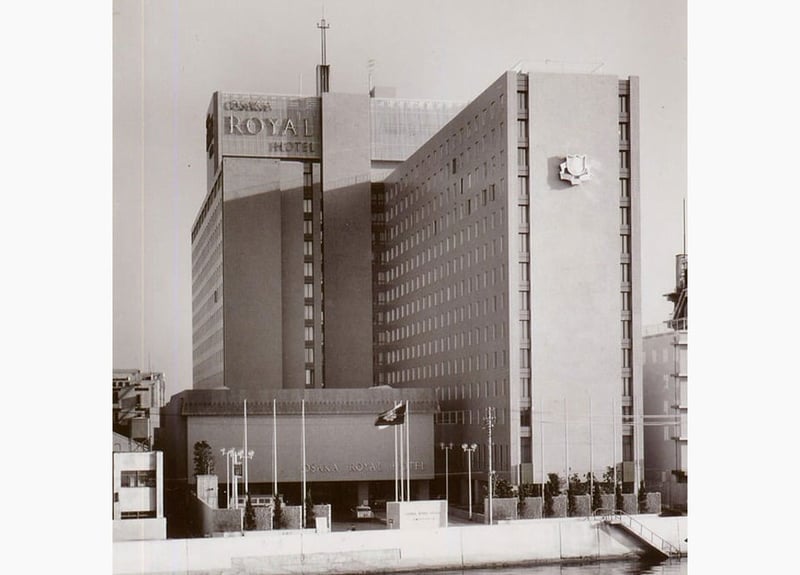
(170, 56)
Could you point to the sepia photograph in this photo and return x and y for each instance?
(400, 287)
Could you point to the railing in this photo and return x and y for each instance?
(615, 516)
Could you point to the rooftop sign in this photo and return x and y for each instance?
(269, 126)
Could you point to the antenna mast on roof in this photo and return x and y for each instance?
(323, 71)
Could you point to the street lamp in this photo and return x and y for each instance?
(468, 449)
(488, 423)
(446, 447)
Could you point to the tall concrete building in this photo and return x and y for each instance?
(488, 252)
(512, 276)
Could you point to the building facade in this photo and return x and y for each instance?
(512, 281)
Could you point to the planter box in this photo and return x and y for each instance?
(653, 503)
(559, 506)
(502, 508)
(607, 501)
(629, 504)
(532, 508)
(583, 506)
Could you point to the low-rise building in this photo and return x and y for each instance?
(138, 508)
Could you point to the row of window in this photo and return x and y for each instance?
(455, 267)
(465, 237)
(464, 365)
(496, 388)
(625, 266)
(466, 417)
(443, 320)
(448, 343)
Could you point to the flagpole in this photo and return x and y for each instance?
(402, 481)
(395, 461)
(566, 443)
(614, 436)
(246, 490)
(541, 450)
(274, 451)
(591, 454)
(303, 498)
(408, 451)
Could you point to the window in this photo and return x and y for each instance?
(522, 129)
(309, 354)
(522, 157)
(624, 188)
(139, 478)
(624, 133)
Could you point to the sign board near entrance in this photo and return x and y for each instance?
(416, 514)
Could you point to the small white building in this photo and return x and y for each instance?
(139, 496)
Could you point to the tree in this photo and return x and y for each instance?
(203, 459)
(597, 500)
(502, 488)
(552, 489)
(642, 499)
(277, 513)
(310, 515)
(249, 515)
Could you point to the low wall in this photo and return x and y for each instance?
(136, 529)
(280, 552)
(208, 521)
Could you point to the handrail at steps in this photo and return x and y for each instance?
(639, 529)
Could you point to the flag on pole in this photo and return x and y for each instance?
(393, 416)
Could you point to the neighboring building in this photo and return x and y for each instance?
(666, 405)
(488, 254)
(137, 400)
(138, 496)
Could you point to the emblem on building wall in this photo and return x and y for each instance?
(575, 169)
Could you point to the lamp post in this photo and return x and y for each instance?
(227, 455)
(446, 447)
(488, 423)
(468, 449)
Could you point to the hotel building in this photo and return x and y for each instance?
(488, 252)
